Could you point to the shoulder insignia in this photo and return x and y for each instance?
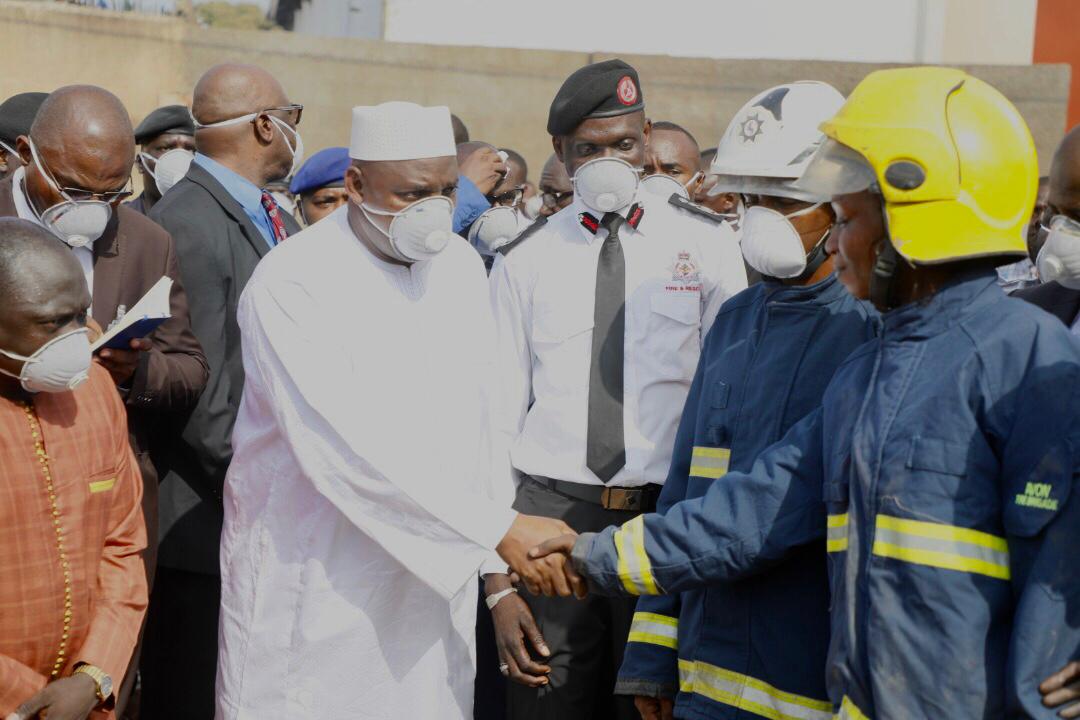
(540, 222)
(680, 202)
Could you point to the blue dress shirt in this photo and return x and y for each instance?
(245, 192)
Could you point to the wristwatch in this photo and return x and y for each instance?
(101, 680)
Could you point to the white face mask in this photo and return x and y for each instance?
(771, 244)
(420, 231)
(296, 147)
(59, 365)
(494, 228)
(168, 168)
(606, 184)
(531, 208)
(1059, 258)
(76, 222)
(665, 185)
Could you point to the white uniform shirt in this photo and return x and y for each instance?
(679, 270)
(84, 254)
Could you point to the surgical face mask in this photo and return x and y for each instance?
(531, 208)
(1059, 258)
(59, 365)
(168, 168)
(76, 222)
(606, 184)
(494, 228)
(420, 231)
(771, 244)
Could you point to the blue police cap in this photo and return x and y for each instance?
(325, 168)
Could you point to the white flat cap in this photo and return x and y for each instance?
(401, 131)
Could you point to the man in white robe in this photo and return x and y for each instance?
(359, 505)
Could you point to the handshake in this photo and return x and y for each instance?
(537, 549)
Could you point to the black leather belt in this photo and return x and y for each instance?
(638, 499)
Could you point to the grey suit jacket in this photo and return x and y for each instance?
(218, 247)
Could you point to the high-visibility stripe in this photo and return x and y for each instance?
(635, 569)
(747, 693)
(836, 533)
(942, 546)
(655, 629)
(849, 711)
(710, 462)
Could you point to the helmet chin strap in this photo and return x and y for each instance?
(883, 278)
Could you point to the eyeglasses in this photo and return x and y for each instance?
(557, 199)
(113, 196)
(508, 198)
(292, 108)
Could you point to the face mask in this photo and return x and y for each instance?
(606, 184)
(59, 365)
(296, 147)
(420, 231)
(169, 168)
(76, 222)
(1059, 258)
(665, 186)
(771, 244)
(532, 206)
(494, 228)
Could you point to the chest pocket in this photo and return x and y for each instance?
(562, 343)
(672, 331)
(683, 308)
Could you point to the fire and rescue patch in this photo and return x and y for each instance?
(626, 91)
(750, 128)
(684, 270)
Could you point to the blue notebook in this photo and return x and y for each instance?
(141, 320)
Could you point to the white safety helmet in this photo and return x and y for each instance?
(770, 140)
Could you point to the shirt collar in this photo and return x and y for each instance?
(245, 192)
(576, 208)
(930, 316)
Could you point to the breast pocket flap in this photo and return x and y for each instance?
(938, 455)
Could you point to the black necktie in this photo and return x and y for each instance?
(605, 450)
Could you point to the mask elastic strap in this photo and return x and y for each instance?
(816, 257)
(46, 173)
(223, 123)
(279, 124)
(9, 149)
(142, 161)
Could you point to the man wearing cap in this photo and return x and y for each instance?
(319, 186)
(17, 114)
(359, 504)
(600, 312)
(166, 140)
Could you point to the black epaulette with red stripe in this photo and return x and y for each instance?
(540, 222)
(633, 218)
(680, 202)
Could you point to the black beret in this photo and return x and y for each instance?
(169, 119)
(17, 114)
(603, 89)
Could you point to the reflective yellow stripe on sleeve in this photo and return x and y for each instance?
(942, 546)
(848, 711)
(710, 462)
(635, 569)
(836, 534)
(747, 693)
(655, 629)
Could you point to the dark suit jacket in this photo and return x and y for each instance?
(1055, 299)
(129, 257)
(219, 248)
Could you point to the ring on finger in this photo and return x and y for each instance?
(504, 668)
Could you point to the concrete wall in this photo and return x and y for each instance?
(503, 95)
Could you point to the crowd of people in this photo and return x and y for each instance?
(784, 428)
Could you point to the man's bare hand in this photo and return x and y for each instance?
(514, 623)
(550, 571)
(1063, 688)
(121, 364)
(654, 708)
(548, 576)
(70, 698)
(485, 168)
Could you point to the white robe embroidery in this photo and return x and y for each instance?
(358, 507)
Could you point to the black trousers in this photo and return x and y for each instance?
(586, 637)
(179, 654)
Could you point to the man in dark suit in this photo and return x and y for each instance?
(1063, 198)
(223, 223)
(82, 142)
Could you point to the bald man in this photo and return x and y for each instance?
(1063, 199)
(223, 222)
(78, 158)
(556, 191)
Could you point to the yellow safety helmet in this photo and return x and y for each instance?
(951, 156)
